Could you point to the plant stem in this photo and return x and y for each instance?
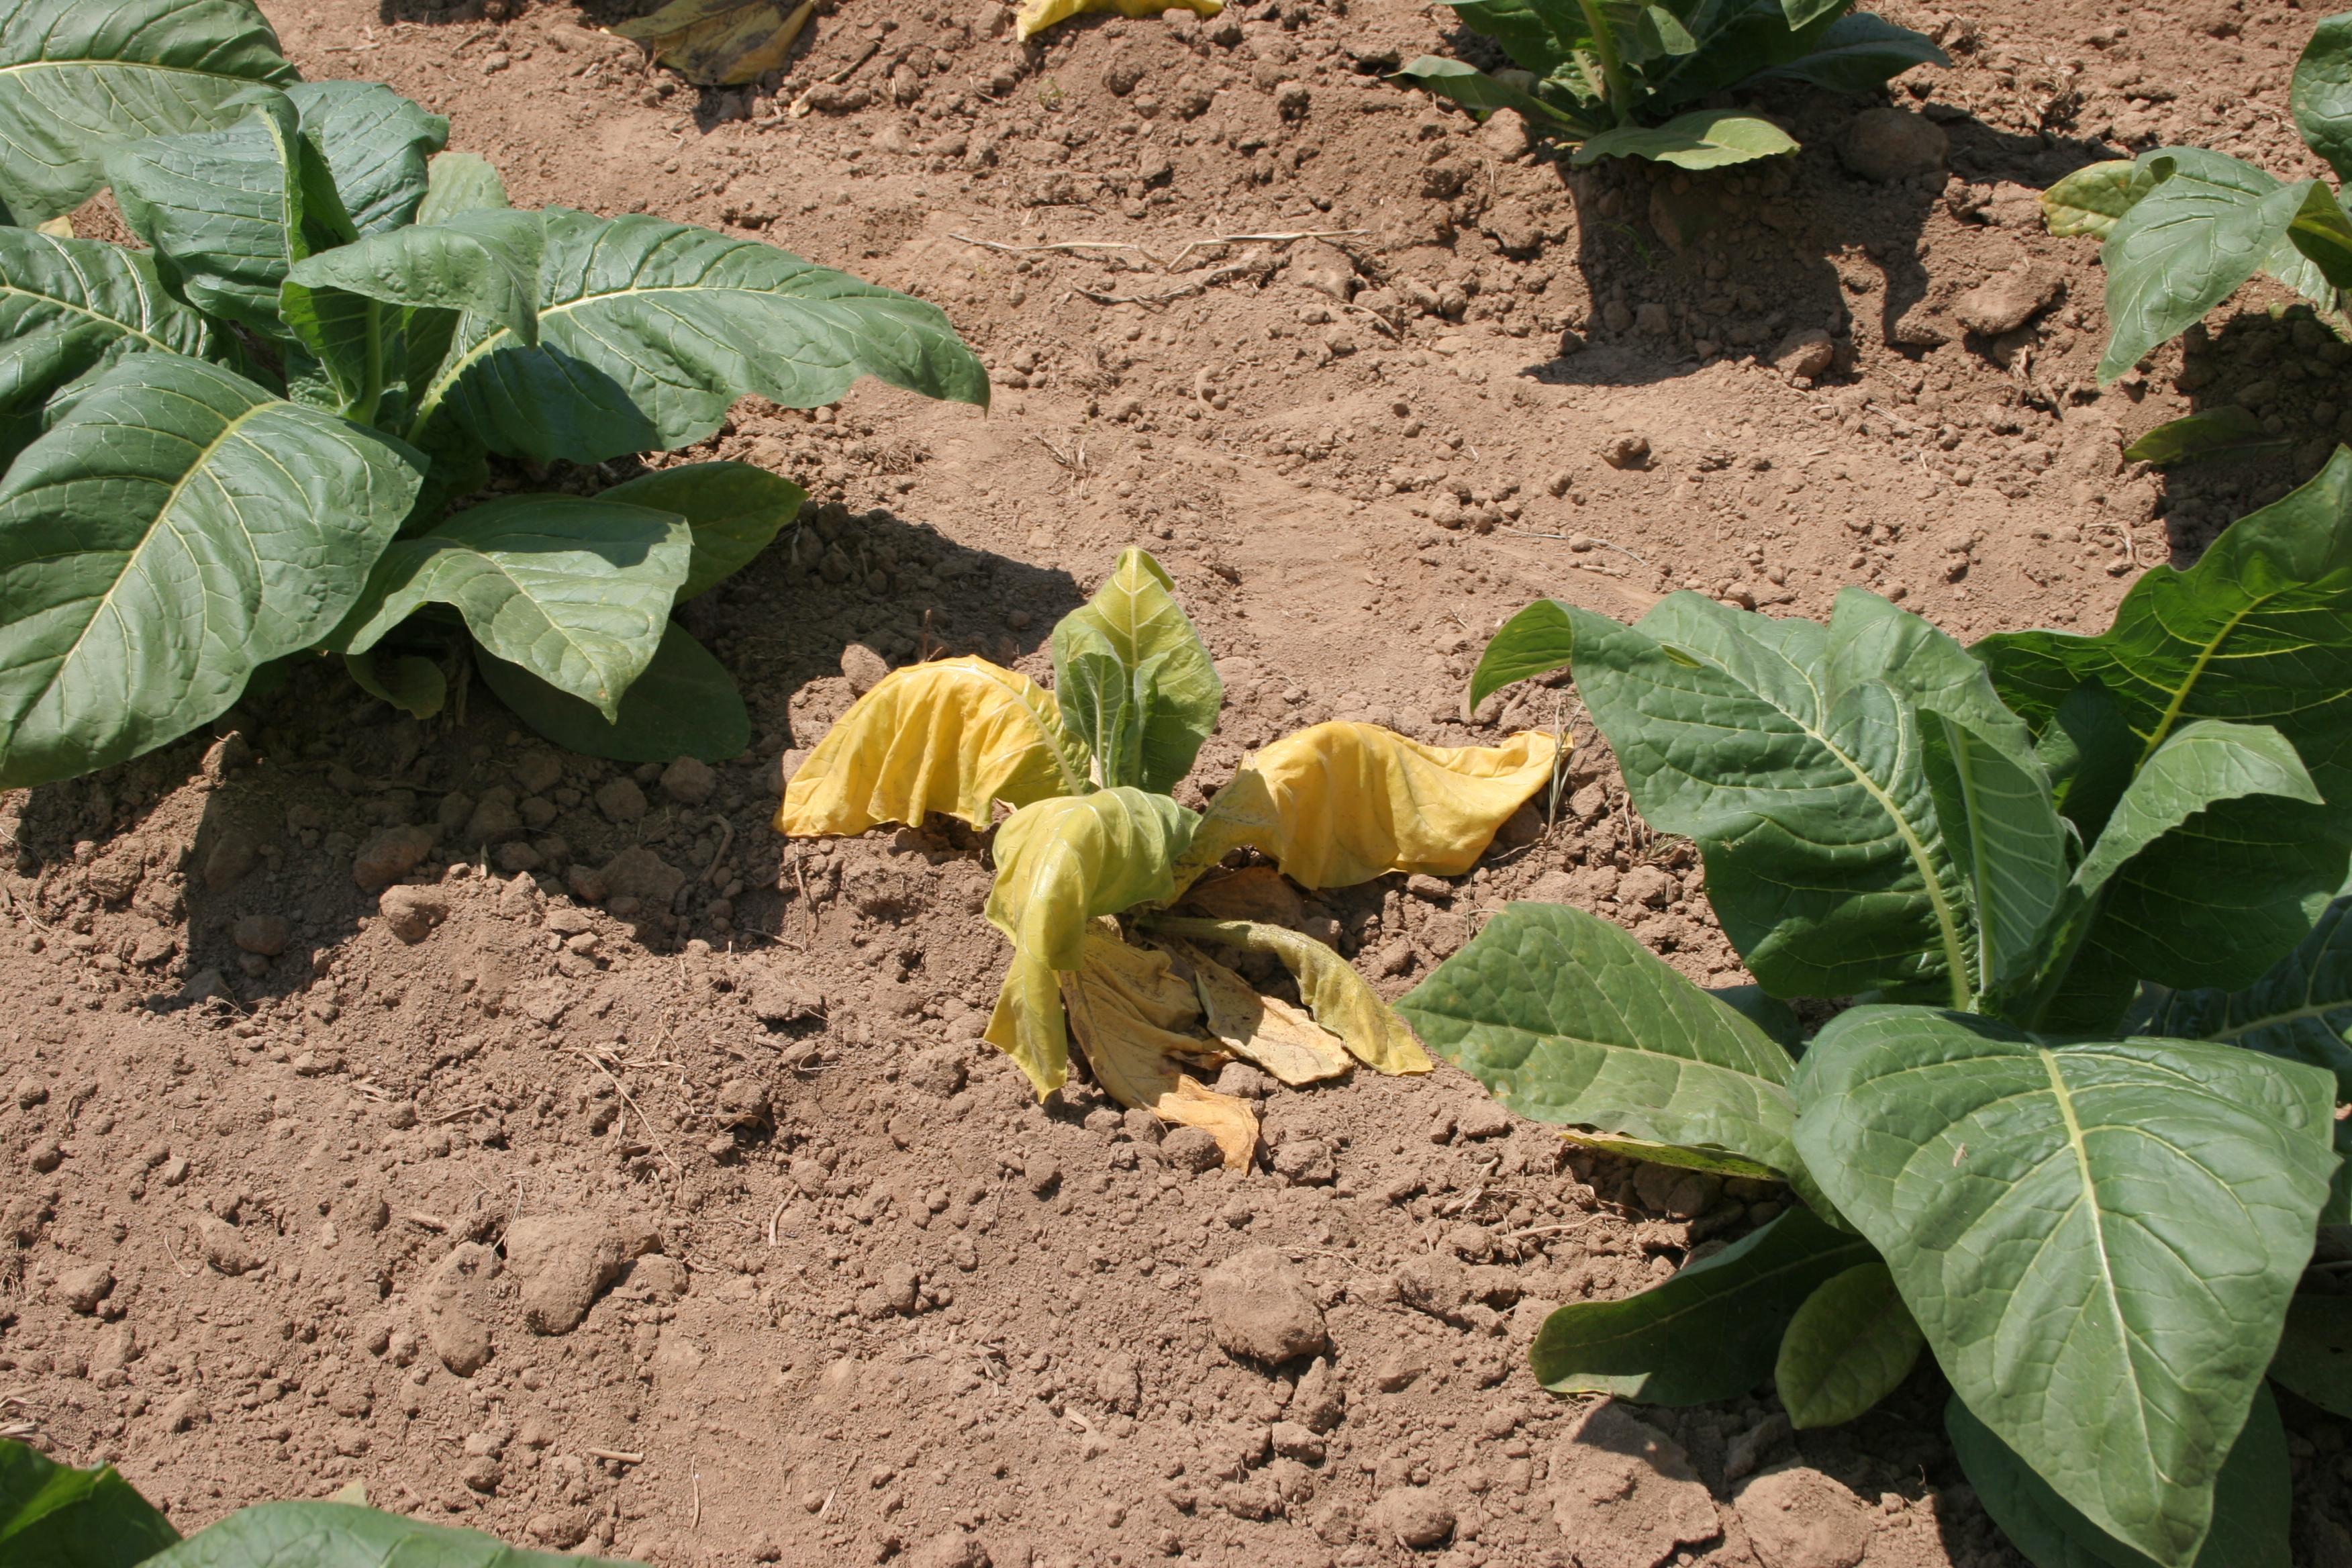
(1612, 70)
(372, 394)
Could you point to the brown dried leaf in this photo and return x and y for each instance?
(1129, 1012)
(721, 43)
(1266, 1030)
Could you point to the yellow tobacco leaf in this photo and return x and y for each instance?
(956, 736)
(1126, 1008)
(1060, 863)
(1039, 15)
(1341, 1000)
(1342, 803)
(721, 43)
(1265, 1030)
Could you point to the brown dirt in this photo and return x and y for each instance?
(848, 1293)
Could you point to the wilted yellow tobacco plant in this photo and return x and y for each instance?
(1095, 851)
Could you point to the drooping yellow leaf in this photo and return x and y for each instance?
(59, 228)
(721, 43)
(1127, 1010)
(1343, 802)
(1039, 15)
(954, 736)
(1060, 863)
(1264, 1030)
(1341, 1000)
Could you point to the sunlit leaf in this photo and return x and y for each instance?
(63, 1517)
(1703, 138)
(2089, 200)
(1343, 802)
(1037, 15)
(1265, 1030)
(734, 508)
(1341, 1000)
(954, 736)
(1131, 1015)
(721, 43)
(1134, 679)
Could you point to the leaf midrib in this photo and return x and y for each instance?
(1072, 783)
(2205, 655)
(516, 589)
(128, 331)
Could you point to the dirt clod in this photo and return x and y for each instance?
(1261, 1308)
(1418, 1517)
(453, 1305)
(1798, 1518)
(81, 1289)
(863, 666)
(564, 1261)
(1624, 1493)
(1890, 145)
(224, 1247)
(390, 856)
(2009, 298)
(411, 913)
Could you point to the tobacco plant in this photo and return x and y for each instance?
(243, 441)
(1109, 889)
(1618, 77)
(52, 1515)
(2183, 227)
(2082, 1111)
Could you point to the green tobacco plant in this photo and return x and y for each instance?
(1086, 771)
(1621, 78)
(2077, 1127)
(2184, 227)
(55, 1517)
(244, 442)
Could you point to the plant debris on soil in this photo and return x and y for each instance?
(553, 1147)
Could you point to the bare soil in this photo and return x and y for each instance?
(627, 1179)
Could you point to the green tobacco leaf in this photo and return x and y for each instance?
(2204, 762)
(2210, 223)
(2252, 1500)
(142, 584)
(1850, 1345)
(1128, 663)
(2302, 1010)
(2320, 239)
(684, 705)
(1798, 768)
(412, 684)
(2089, 752)
(2092, 198)
(461, 183)
(1542, 37)
(1060, 863)
(374, 145)
(2322, 94)
(67, 306)
(2220, 433)
(1474, 90)
(224, 210)
(485, 262)
(344, 1535)
(1341, 1000)
(1567, 1017)
(1859, 52)
(577, 592)
(2258, 632)
(1801, 12)
(734, 508)
(1682, 1157)
(1703, 138)
(2314, 1353)
(1537, 641)
(2099, 1241)
(649, 331)
(79, 80)
(1709, 1332)
(62, 1517)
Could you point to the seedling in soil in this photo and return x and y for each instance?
(1619, 79)
(2076, 1129)
(244, 442)
(1097, 855)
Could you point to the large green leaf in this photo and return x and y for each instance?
(1059, 863)
(1799, 768)
(2322, 94)
(1474, 90)
(485, 262)
(2301, 1010)
(2210, 223)
(2099, 1241)
(684, 705)
(346, 1535)
(733, 508)
(1567, 1017)
(2314, 1353)
(2199, 765)
(1702, 139)
(374, 145)
(225, 210)
(1859, 52)
(2252, 1501)
(1850, 1345)
(80, 78)
(1709, 1332)
(62, 1517)
(461, 183)
(2258, 632)
(67, 306)
(176, 528)
(650, 330)
(1134, 678)
(578, 591)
